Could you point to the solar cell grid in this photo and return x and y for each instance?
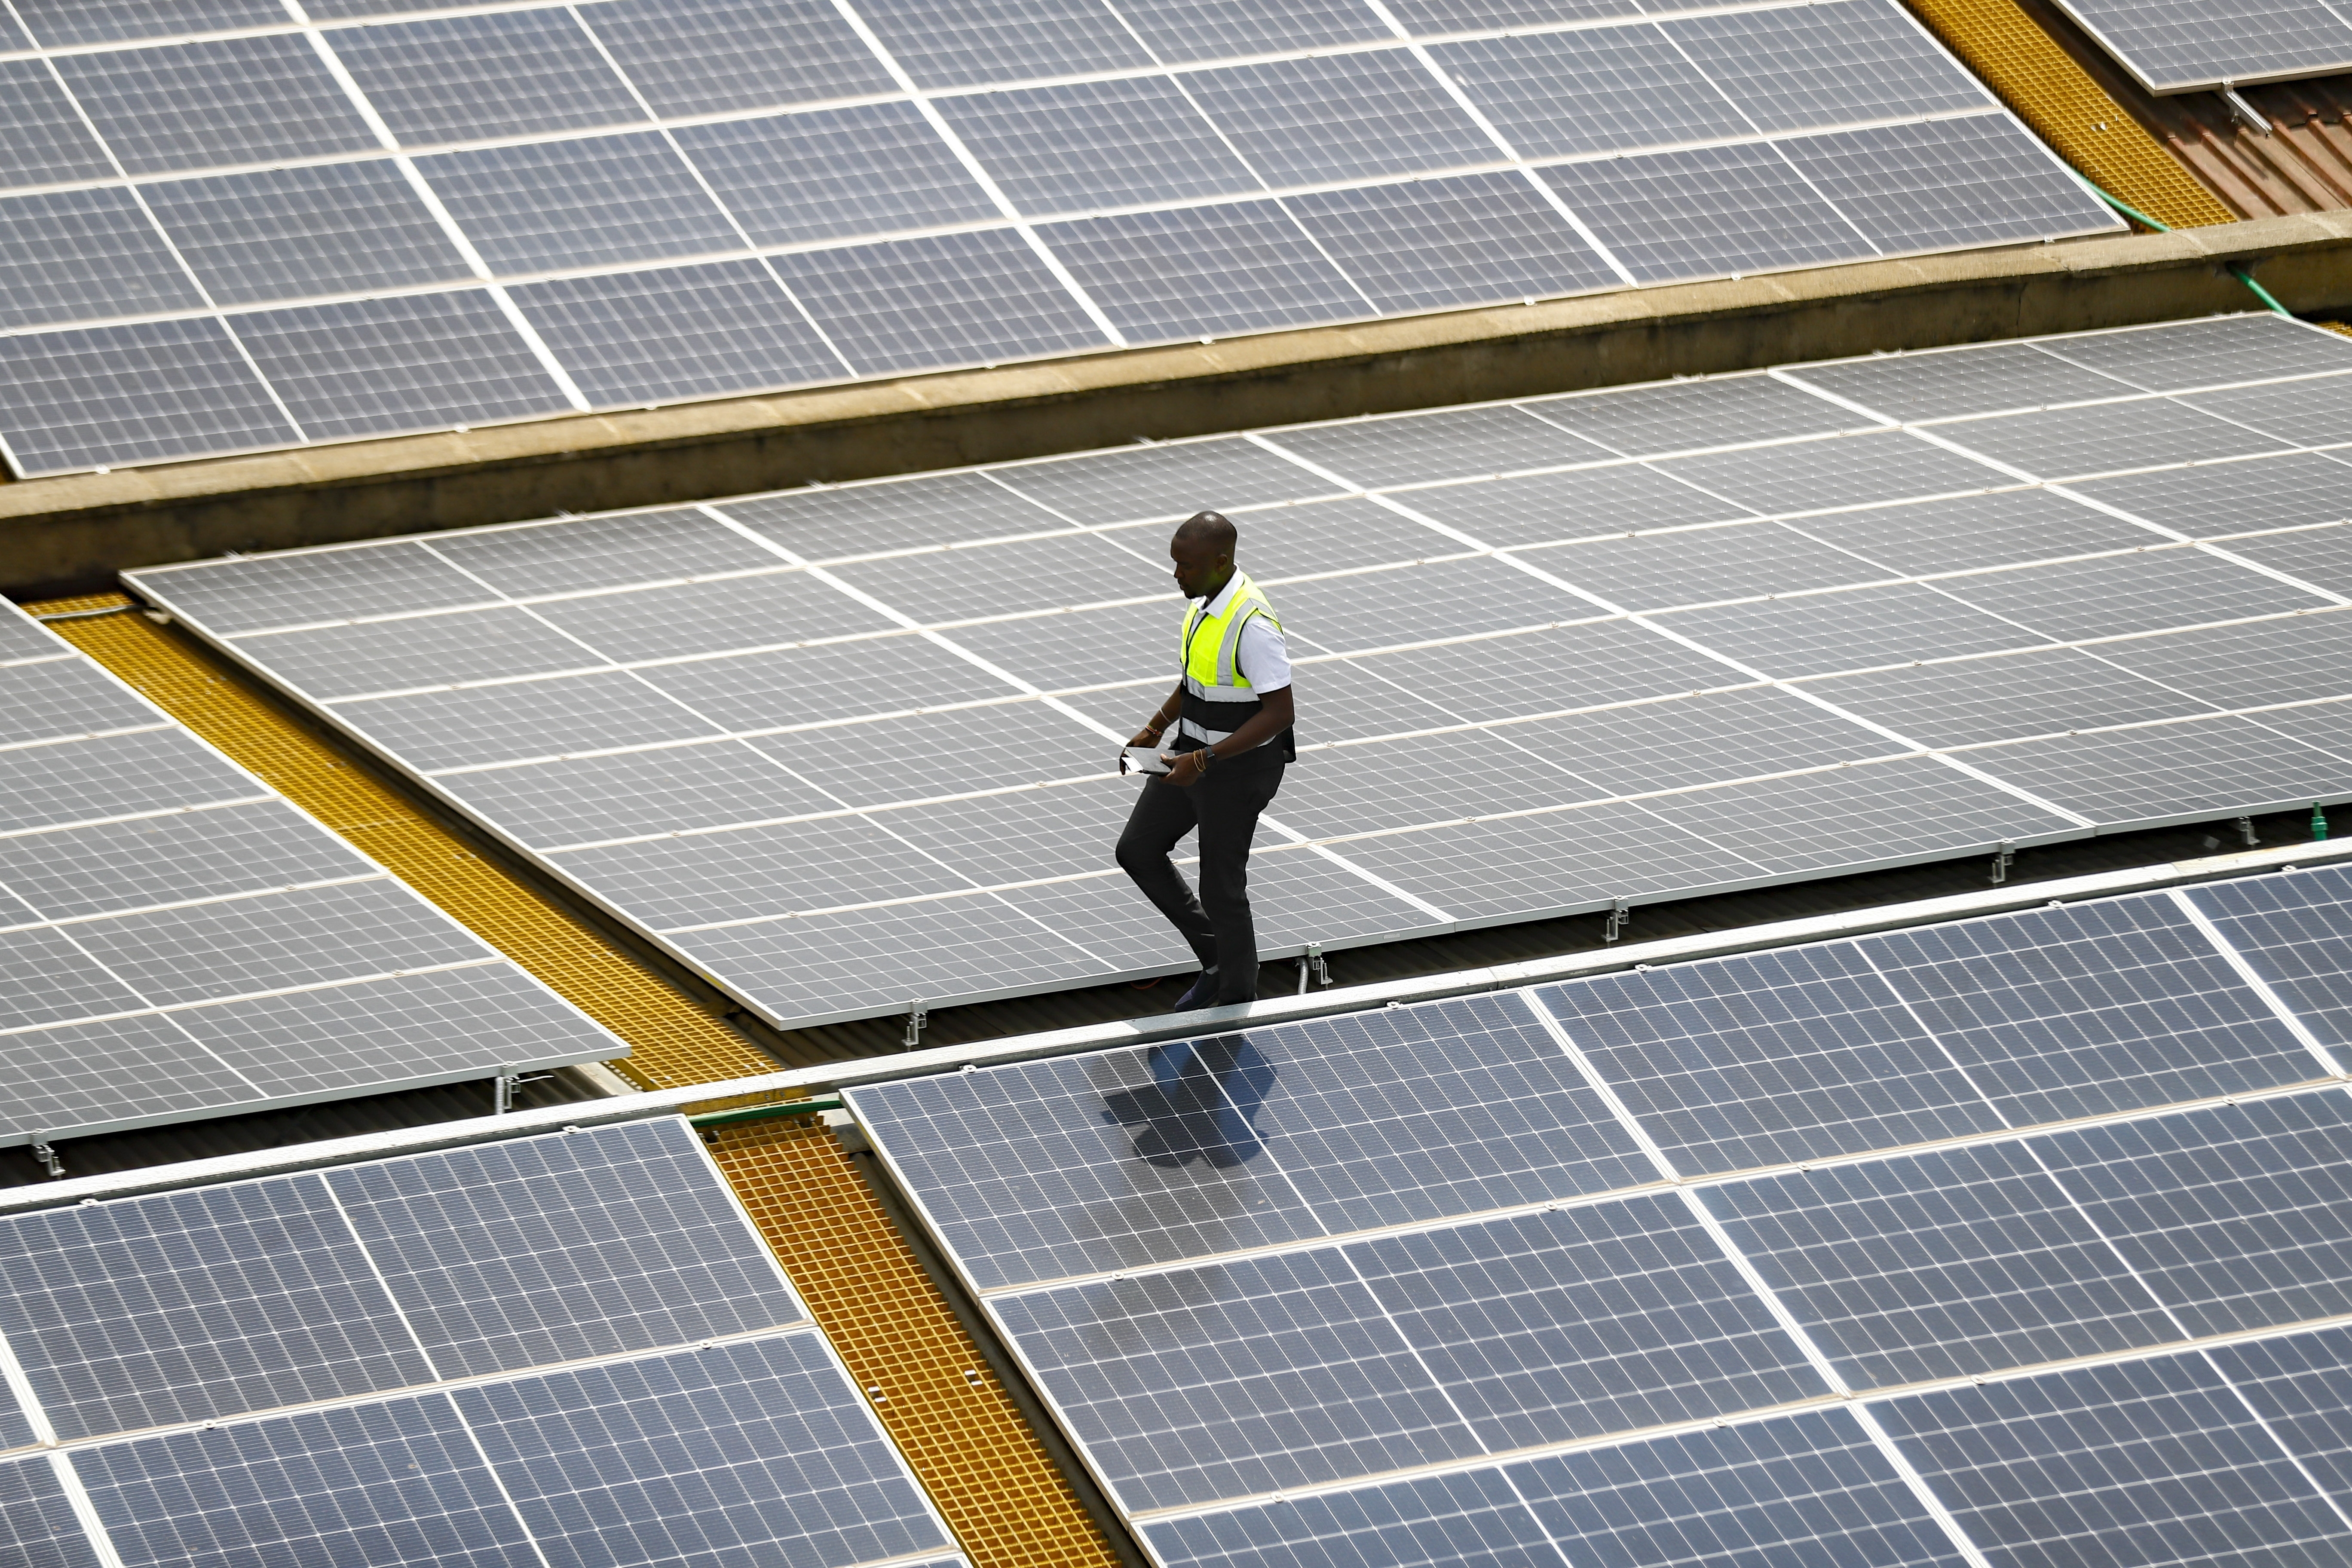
(1833, 65)
(116, 395)
(2232, 1216)
(2169, 771)
(2310, 413)
(2176, 48)
(1412, 604)
(1940, 1265)
(2089, 1009)
(162, 859)
(435, 730)
(1856, 628)
(538, 1250)
(698, 879)
(945, 300)
(2288, 932)
(1559, 94)
(113, 776)
(1430, 778)
(1960, 531)
(2297, 1383)
(1680, 742)
(1945, 382)
(285, 234)
(213, 102)
(1096, 144)
(1697, 567)
(1340, 116)
(547, 206)
(2211, 353)
(1666, 1328)
(453, 78)
(1463, 1518)
(836, 522)
(138, 1070)
(1459, 443)
(2157, 1461)
(870, 168)
(607, 551)
(2250, 665)
(1234, 1378)
(47, 141)
(75, 255)
(244, 595)
(36, 1519)
(2319, 556)
(1718, 411)
(735, 611)
(192, 1305)
(1816, 476)
(1204, 271)
(1903, 185)
(948, 43)
(410, 362)
(2155, 588)
(1704, 212)
(807, 686)
(1769, 1060)
(465, 645)
(2003, 698)
(1475, 239)
(1535, 672)
(2068, 443)
(938, 587)
(1020, 837)
(1538, 508)
(63, 697)
(700, 57)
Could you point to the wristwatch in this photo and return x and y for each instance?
(1208, 755)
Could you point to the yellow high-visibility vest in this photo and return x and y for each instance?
(1210, 673)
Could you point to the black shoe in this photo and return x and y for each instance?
(1203, 992)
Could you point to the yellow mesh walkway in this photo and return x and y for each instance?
(969, 1444)
(673, 1041)
(2028, 72)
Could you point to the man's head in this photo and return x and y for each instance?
(1202, 549)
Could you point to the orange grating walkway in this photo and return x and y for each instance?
(2041, 82)
(971, 1446)
(673, 1042)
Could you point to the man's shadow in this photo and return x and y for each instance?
(1199, 1104)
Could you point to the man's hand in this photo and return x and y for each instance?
(1147, 736)
(1186, 770)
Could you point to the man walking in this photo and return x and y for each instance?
(1233, 710)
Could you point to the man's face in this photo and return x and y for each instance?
(1201, 567)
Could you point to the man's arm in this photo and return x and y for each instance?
(1278, 712)
(1158, 723)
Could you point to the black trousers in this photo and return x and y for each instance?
(1225, 806)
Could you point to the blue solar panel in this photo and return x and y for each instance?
(1418, 1113)
(751, 1452)
(1945, 182)
(1940, 1265)
(872, 168)
(1559, 94)
(214, 103)
(454, 78)
(2291, 931)
(285, 234)
(150, 1312)
(1833, 64)
(2144, 1463)
(1237, 1378)
(1228, 29)
(1579, 1321)
(950, 42)
(705, 57)
(1471, 1518)
(37, 1527)
(114, 394)
(1471, 239)
(2301, 1385)
(1200, 271)
(1811, 1488)
(1040, 1170)
(411, 361)
(2093, 1007)
(1096, 144)
(1341, 117)
(75, 256)
(677, 331)
(546, 1249)
(60, 22)
(1704, 211)
(42, 140)
(2237, 1216)
(1768, 1060)
(399, 1482)
(947, 300)
(546, 206)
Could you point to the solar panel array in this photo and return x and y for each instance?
(2015, 1241)
(844, 749)
(567, 1349)
(229, 230)
(2187, 46)
(178, 941)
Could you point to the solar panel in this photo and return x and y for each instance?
(2216, 43)
(567, 1348)
(1500, 677)
(875, 169)
(182, 942)
(1198, 1251)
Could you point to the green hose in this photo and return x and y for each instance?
(2237, 269)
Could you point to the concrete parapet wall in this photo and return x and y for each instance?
(71, 534)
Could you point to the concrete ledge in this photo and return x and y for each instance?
(71, 534)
